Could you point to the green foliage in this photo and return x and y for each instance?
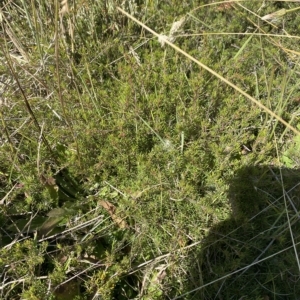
(151, 160)
(291, 157)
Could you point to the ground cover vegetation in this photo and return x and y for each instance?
(129, 172)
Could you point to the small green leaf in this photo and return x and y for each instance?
(49, 225)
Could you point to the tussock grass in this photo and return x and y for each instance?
(134, 170)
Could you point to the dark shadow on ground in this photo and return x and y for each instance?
(251, 255)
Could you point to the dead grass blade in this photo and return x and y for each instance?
(111, 209)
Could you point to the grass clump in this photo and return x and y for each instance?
(128, 172)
